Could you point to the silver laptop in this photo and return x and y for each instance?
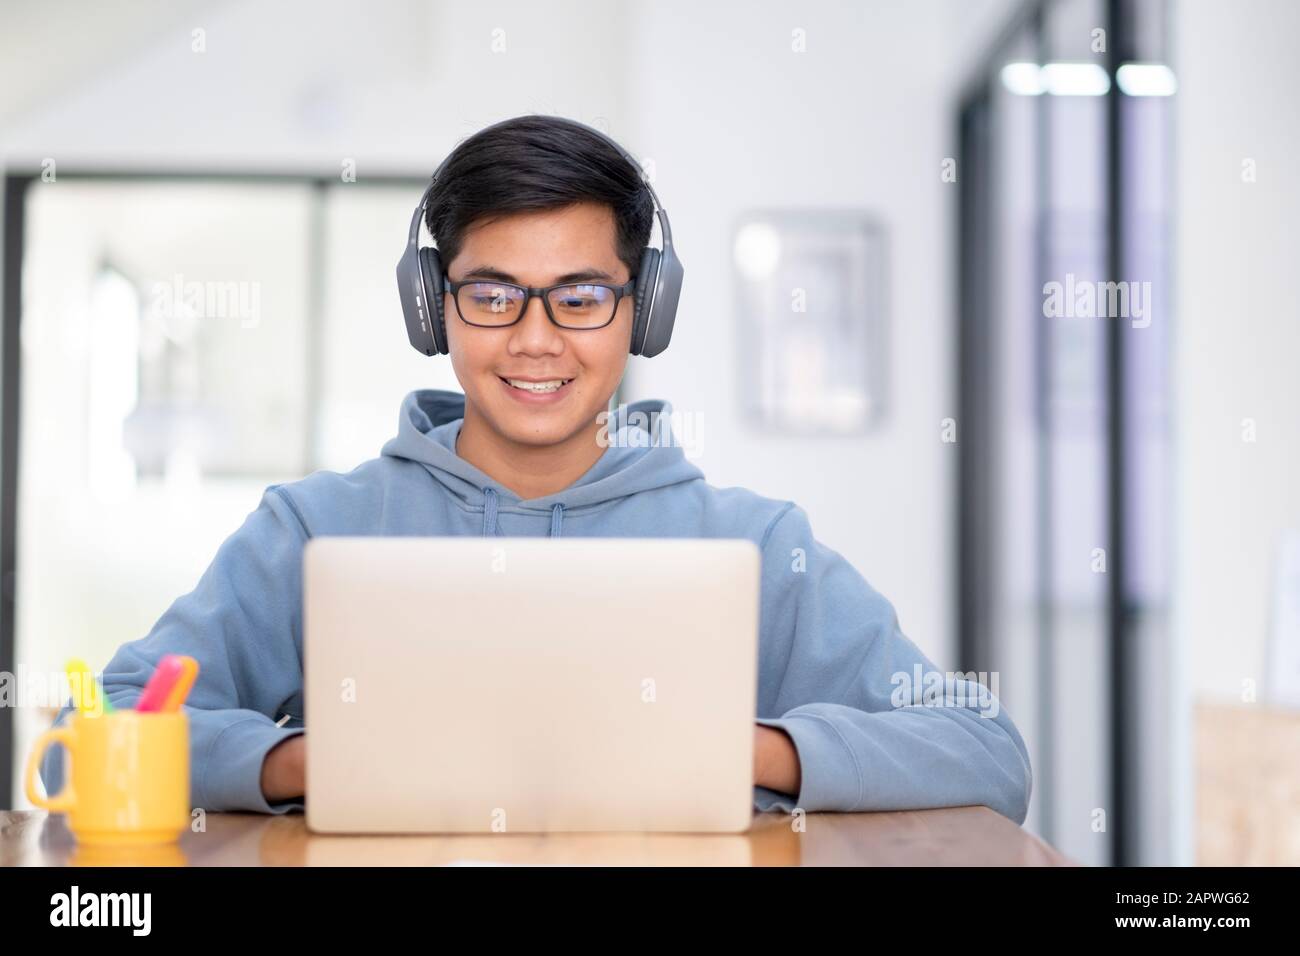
(522, 685)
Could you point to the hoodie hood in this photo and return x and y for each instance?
(642, 454)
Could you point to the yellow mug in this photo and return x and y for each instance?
(129, 779)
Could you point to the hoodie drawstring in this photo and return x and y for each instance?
(489, 512)
(490, 515)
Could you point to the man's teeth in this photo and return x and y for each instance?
(539, 386)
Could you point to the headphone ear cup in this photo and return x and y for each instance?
(431, 270)
(646, 277)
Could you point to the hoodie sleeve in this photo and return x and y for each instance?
(242, 623)
(842, 682)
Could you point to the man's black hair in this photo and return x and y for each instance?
(538, 162)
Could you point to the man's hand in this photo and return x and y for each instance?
(284, 774)
(776, 761)
(776, 765)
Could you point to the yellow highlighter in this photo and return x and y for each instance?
(89, 697)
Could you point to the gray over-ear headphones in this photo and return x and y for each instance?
(658, 281)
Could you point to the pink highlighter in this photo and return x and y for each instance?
(169, 684)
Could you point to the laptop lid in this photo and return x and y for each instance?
(459, 684)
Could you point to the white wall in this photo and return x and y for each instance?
(49, 48)
(1238, 345)
(299, 85)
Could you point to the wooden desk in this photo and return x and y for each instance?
(963, 836)
(1247, 785)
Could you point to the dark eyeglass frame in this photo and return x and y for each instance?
(619, 292)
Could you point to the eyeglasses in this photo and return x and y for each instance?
(580, 305)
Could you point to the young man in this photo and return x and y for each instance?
(538, 202)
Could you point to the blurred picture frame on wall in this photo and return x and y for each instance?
(811, 294)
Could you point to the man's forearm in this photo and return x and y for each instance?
(776, 761)
(284, 774)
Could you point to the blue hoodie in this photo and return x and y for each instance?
(835, 671)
